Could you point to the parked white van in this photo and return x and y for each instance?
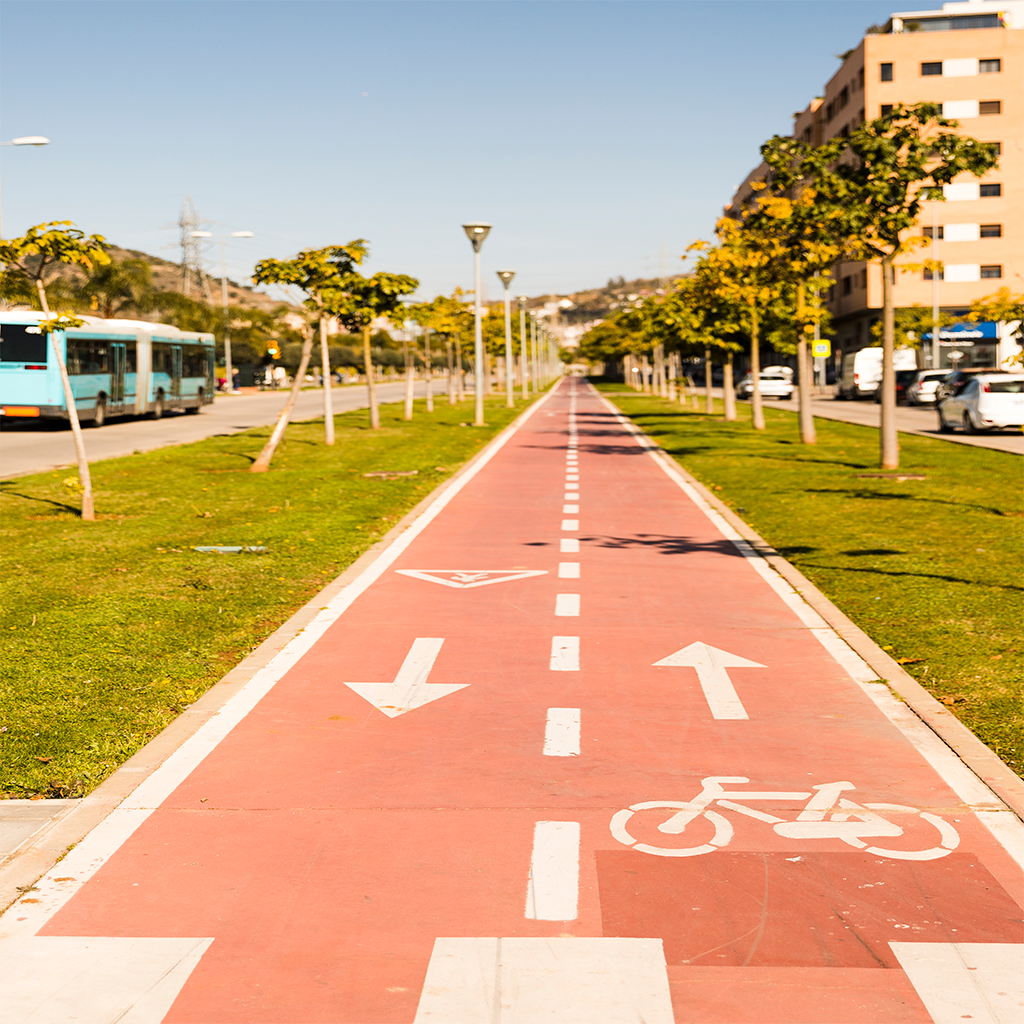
(862, 371)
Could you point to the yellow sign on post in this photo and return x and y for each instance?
(822, 348)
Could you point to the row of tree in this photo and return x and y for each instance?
(853, 198)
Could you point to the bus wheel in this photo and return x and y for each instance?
(157, 412)
(193, 410)
(100, 415)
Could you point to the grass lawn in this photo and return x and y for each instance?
(930, 569)
(111, 628)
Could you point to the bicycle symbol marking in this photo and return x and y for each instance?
(826, 815)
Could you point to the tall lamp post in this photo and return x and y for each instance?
(522, 346)
(24, 140)
(476, 232)
(222, 240)
(506, 279)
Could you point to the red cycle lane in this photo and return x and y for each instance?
(574, 756)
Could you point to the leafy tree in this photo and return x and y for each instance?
(315, 271)
(117, 288)
(358, 301)
(30, 262)
(1003, 306)
(888, 168)
(450, 317)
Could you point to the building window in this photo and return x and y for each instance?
(928, 233)
(990, 191)
(930, 275)
(990, 107)
(847, 285)
(844, 98)
(991, 230)
(990, 67)
(885, 72)
(886, 109)
(860, 79)
(994, 270)
(996, 147)
(931, 67)
(862, 279)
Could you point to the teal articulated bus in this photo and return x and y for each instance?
(117, 368)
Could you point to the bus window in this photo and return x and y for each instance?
(130, 358)
(162, 362)
(88, 355)
(22, 343)
(193, 362)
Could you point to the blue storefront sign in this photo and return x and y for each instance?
(965, 334)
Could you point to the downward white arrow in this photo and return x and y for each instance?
(410, 689)
(711, 665)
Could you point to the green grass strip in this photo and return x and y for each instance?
(929, 569)
(111, 628)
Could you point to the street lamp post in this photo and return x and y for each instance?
(522, 346)
(476, 232)
(23, 140)
(533, 353)
(506, 279)
(222, 240)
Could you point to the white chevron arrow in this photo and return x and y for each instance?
(711, 665)
(410, 688)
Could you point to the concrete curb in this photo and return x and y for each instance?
(980, 759)
(38, 854)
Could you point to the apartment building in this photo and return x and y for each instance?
(968, 56)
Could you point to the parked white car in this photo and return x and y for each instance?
(921, 391)
(986, 402)
(770, 385)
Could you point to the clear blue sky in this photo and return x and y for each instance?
(592, 134)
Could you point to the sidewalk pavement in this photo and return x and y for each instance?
(635, 775)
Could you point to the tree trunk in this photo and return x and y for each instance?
(728, 390)
(645, 373)
(84, 477)
(709, 401)
(325, 366)
(756, 405)
(673, 374)
(460, 379)
(889, 444)
(371, 386)
(410, 381)
(429, 370)
(804, 372)
(262, 463)
(453, 395)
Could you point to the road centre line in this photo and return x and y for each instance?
(570, 524)
(107, 837)
(569, 570)
(569, 546)
(985, 804)
(562, 732)
(552, 892)
(570, 510)
(567, 605)
(565, 654)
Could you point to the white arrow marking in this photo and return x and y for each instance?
(711, 665)
(464, 579)
(410, 689)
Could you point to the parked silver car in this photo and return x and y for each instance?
(921, 390)
(985, 402)
(770, 385)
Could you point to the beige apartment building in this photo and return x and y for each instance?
(968, 56)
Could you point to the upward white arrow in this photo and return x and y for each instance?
(410, 689)
(711, 665)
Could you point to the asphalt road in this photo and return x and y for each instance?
(909, 420)
(31, 446)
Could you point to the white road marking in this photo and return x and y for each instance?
(562, 732)
(567, 604)
(565, 654)
(711, 665)
(568, 510)
(571, 496)
(552, 892)
(572, 476)
(546, 980)
(54, 979)
(569, 546)
(466, 579)
(570, 524)
(978, 981)
(410, 688)
(569, 570)
(117, 827)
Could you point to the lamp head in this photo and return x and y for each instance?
(202, 234)
(506, 277)
(241, 234)
(31, 140)
(476, 232)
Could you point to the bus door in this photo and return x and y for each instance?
(175, 371)
(117, 370)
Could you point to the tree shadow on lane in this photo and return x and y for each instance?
(7, 488)
(664, 544)
(868, 495)
(914, 575)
